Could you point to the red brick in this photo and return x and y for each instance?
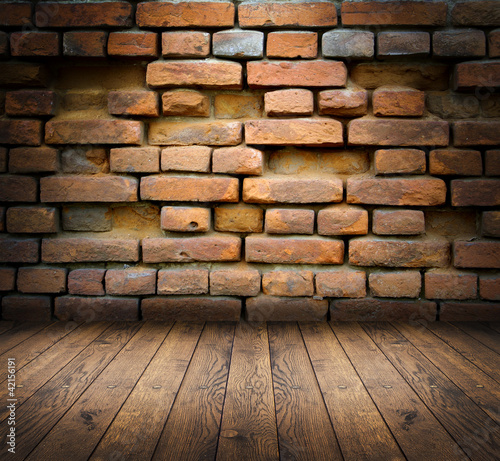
(84, 160)
(458, 43)
(490, 224)
(26, 308)
(32, 220)
(288, 283)
(469, 312)
(93, 132)
(238, 160)
(407, 44)
(398, 222)
(143, 103)
(191, 158)
(290, 45)
(87, 218)
(79, 250)
(478, 13)
(257, 190)
(481, 255)
(191, 249)
(343, 103)
(96, 309)
(183, 282)
(185, 44)
(377, 310)
(3, 159)
(190, 309)
(89, 44)
(492, 163)
(8, 278)
(44, 44)
(404, 192)
(133, 44)
(405, 284)
(477, 133)
(398, 101)
(454, 224)
(88, 189)
(236, 106)
(16, 14)
(398, 132)
(472, 75)
(185, 14)
(450, 286)
(475, 192)
(400, 161)
(236, 218)
(189, 189)
(18, 188)
(185, 219)
(207, 74)
(19, 251)
(399, 253)
(86, 282)
(394, 13)
(33, 160)
(289, 221)
(452, 105)
(91, 14)
(30, 102)
(22, 74)
(341, 284)
(135, 160)
(130, 282)
(235, 282)
(261, 74)
(489, 287)
(269, 308)
(187, 103)
(289, 102)
(294, 250)
(455, 162)
(343, 220)
(23, 132)
(41, 280)
(494, 43)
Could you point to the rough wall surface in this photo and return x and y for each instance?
(280, 160)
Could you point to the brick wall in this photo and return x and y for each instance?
(276, 160)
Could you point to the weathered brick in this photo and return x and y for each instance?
(290, 45)
(200, 133)
(83, 99)
(450, 105)
(189, 189)
(396, 44)
(313, 132)
(288, 283)
(85, 159)
(77, 309)
(30, 102)
(405, 284)
(4, 44)
(18, 188)
(133, 44)
(183, 282)
(26, 308)
(472, 75)
(32, 220)
(88, 189)
(348, 44)
(207, 74)
(137, 219)
(405, 192)
(289, 221)
(450, 286)
(494, 43)
(257, 190)
(143, 103)
(490, 224)
(191, 249)
(130, 281)
(238, 160)
(187, 103)
(88, 282)
(185, 14)
(262, 74)
(236, 106)
(16, 14)
(33, 160)
(2, 218)
(398, 132)
(341, 284)
(454, 224)
(235, 282)
(135, 160)
(270, 308)
(492, 163)
(289, 102)
(185, 44)
(294, 250)
(398, 101)
(44, 44)
(343, 220)
(241, 44)
(41, 280)
(459, 43)
(469, 312)
(19, 251)
(479, 13)
(7, 278)
(490, 102)
(3, 159)
(455, 162)
(22, 74)
(185, 219)
(343, 103)
(399, 253)
(76, 250)
(191, 309)
(489, 287)
(476, 133)
(89, 44)
(23, 132)
(236, 218)
(192, 158)
(398, 222)
(400, 161)
(87, 218)
(475, 192)
(477, 254)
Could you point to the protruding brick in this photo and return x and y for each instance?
(22, 74)
(235, 282)
(408, 44)
(273, 309)
(476, 133)
(26, 308)
(192, 158)
(236, 106)
(348, 44)
(472, 75)
(479, 13)
(185, 219)
(87, 218)
(189, 189)
(494, 43)
(143, 103)
(238, 160)
(400, 161)
(450, 286)
(16, 14)
(78, 309)
(18, 188)
(236, 218)
(23, 132)
(186, 103)
(19, 251)
(343, 103)
(8, 278)
(492, 163)
(32, 220)
(85, 159)
(41, 280)
(75, 250)
(490, 224)
(40, 44)
(241, 44)
(455, 162)
(481, 255)
(451, 105)
(288, 283)
(397, 101)
(257, 190)
(399, 253)
(398, 222)
(88, 282)
(289, 102)
(156, 250)
(405, 284)
(183, 282)
(489, 287)
(89, 44)
(290, 45)
(459, 43)
(130, 281)
(289, 221)
(185, 44)
(33, 160)
(30, 103)
(341, 284)
(294, 250)
(475, 192)
(135, 160)
(133, 44)
(343, 220)
(469, 312)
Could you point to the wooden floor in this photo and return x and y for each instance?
(239, 392)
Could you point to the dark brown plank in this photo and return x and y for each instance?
(6, 325)
(192, 429)
(135, 431)
(361, 431)
(456, 412)
(248, 429)
(36, 417)
(304, 428)
(490, 338)
(415, 428)
(494, 326)
(20, 333)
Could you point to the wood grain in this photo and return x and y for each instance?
(18, 334)
(485, 335)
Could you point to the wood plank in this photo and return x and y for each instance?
(135, 431)
(417, 431)
(20, 333)
(248, 430)
(6, 325)
(490, 338)
(36, 417)
(305, 431)
(494, 326)
(441, 396)
(361, 431)
(192, 429)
